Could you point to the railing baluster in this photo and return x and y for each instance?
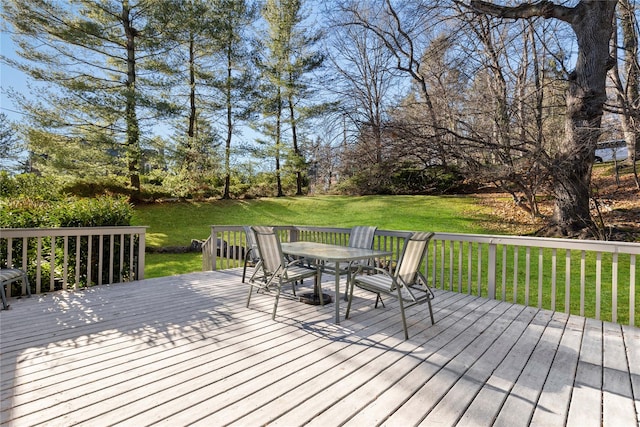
(451, 244)
(39, 265)
(504, 272)
(632, 290)
(76, 283)
(479, 269)
(89, 258)
(527, 272)
(25, 260)
(554, 267)
(469, 268)
(121, 263)
(598, 283)
(540, 277)
(567, 282)
(442, 264)
(460, 250)
(52, 264)
(614, 288)
(516, 251)
(491, 271)
(9, 261)
(65, 261)
(100, 257)
(111, 257)
(583, 272)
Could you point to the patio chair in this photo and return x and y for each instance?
(361, 236)
(252, 254)
(7, 277)
(405, 283)
(275, 268)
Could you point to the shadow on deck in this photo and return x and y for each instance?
(185, 350)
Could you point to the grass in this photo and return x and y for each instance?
(176, 224)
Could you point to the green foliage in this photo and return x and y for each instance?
(25, 212)
(29, 200)
(111, 184)
(30, 186)
(402, 179)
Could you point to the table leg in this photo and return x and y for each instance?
(337, 298)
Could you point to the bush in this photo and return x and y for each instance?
(30, 186)
(71, 212)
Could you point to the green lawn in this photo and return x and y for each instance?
(176, 224)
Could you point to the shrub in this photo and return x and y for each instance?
(71, 212)
(30, 186)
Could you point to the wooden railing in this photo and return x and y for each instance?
(70, 258)
(595, 279)
(591, 278)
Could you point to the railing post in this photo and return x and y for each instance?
(141, 252)
(491, 271)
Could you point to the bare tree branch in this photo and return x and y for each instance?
(545, 9)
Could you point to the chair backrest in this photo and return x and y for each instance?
(362, 236)
(412, 254)
(252, 244)
(270, 249)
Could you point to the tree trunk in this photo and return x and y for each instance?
(227, 151)
(629, 96)
(278, 135)
(133, 131)
(296, 149)
(592, 23)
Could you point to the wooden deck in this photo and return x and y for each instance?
(185, 350)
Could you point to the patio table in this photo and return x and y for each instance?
(332, 254)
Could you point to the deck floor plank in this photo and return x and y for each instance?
(586, 400)
(632, 343)
(185, 350)
(553, 405)
(617, 397)
(457, 400)
(488, 403)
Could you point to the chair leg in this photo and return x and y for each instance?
(244, 270)
(404, 318)
(275, 304)
(249, 296)
(5, 306)
(26, 283)
(346, 286)
(430, 311)
(349, 288)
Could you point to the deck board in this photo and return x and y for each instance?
(185, 350)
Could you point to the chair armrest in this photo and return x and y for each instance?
(371, 270)
(298, 261)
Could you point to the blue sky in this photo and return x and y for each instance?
(9, 77)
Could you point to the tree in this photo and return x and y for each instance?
(363, 81)
(627, 81)
(10, 147)
(288, 57)
(90, 55)
(591, 22)
(280, 17)
(235, 17)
